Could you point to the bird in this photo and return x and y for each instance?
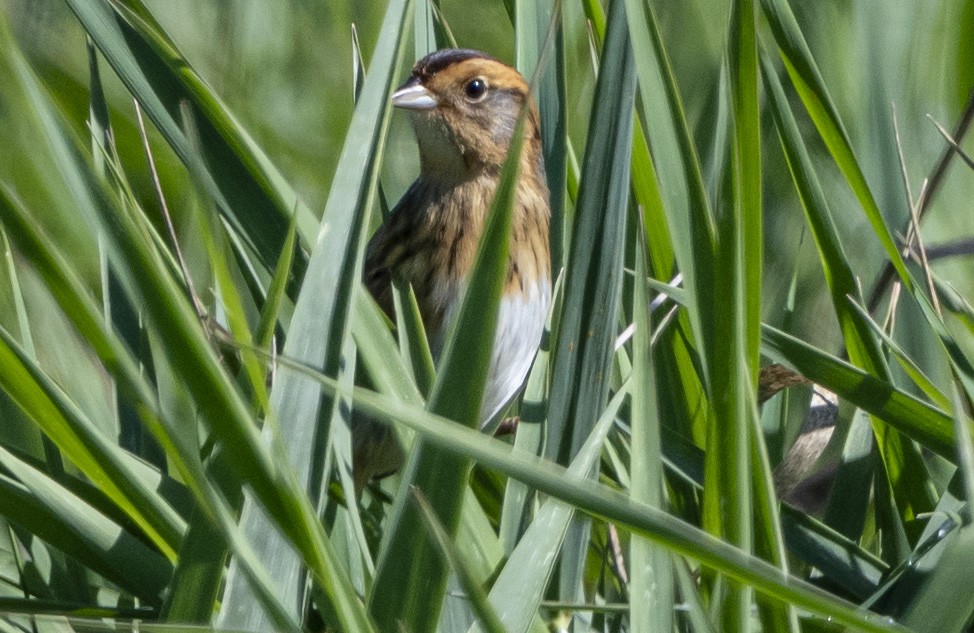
(463, 105)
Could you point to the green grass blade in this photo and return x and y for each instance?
(452, 555)
(483, 555)
(45, 508)
(410, 576)
(683, 222)
(678, 167)
(746, 173)
(532, 20)
(652, 581)
(902, 463)
(22, 326)
(646, 191)
(734, 320)
(519, 588)
(194, 589)
(859, 340)
(769, 535)
(583, 349)
(697, 617)
(228, 300)
(907, 364)
(926, 592)
(55, 607)
(603, 502)
(415, 347)
(84, 445)
(253, 194)
(839, 559)
(938, 603)
(596, 246)
(347, 532)
(942, 605)
(424, 29)
(380, 353)
(917, 419)
(320, 325)
(269, 312)
(683, 393)
(808, 82)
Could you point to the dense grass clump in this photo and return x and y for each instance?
(749, 203)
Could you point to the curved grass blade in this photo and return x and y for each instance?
(320, 327)
(811, 88)
(909, 367)
(603, 502)
(69, 428)
(917, 419)
(253, 195)
(45, 508)
(194, 588)
(902, 464)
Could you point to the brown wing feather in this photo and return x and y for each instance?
(385, 250)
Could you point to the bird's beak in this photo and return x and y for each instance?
(413, 96)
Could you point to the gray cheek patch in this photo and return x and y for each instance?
(504, 110)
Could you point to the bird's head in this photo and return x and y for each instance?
(464, 105)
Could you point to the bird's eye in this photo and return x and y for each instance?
(475, 89)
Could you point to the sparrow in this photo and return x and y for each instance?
(463, 105)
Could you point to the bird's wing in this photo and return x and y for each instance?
(385, 249)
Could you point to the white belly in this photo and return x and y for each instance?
(520, 323)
